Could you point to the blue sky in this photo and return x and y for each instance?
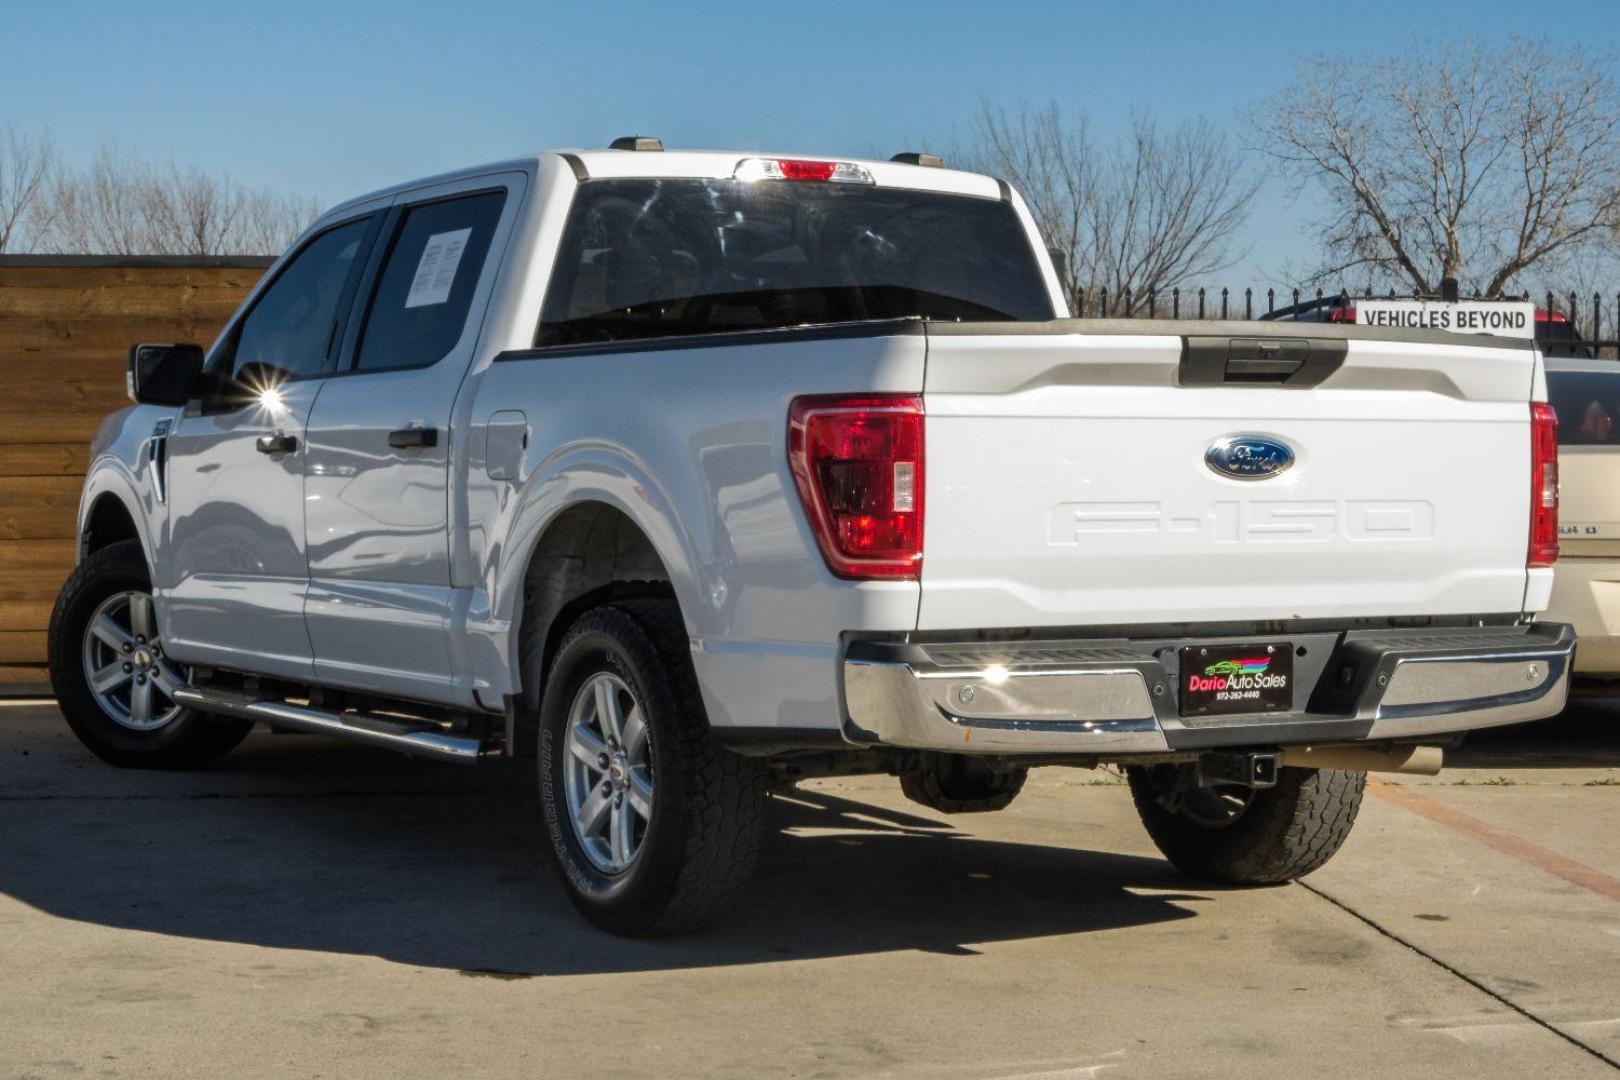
(331, 99)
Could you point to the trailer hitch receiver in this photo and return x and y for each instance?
(1246, 770)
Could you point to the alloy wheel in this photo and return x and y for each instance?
(608, 772)
(124, 664)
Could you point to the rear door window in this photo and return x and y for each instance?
(1588, 406)
(425, 289)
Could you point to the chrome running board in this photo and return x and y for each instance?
(420, 738)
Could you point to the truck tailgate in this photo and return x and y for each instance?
(1067, 484)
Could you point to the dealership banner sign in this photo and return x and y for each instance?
(1501, 318)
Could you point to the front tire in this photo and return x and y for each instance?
(1247, 837)
(111, 679)
(654, 828)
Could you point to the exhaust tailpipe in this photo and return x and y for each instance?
(1412, 760)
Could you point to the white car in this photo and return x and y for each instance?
(686, 474)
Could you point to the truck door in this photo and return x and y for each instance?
(377, 468)
(232, 572)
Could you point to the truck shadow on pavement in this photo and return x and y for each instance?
(296, 843)
(1583, 736)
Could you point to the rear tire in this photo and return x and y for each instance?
(1283, 832)
(106, 605)
(654, 828)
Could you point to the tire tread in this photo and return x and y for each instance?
(724, 793)
(192, 739)
(1287, 832)
(726, 796)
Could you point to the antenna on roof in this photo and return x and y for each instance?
(635, 142)
(912, 157)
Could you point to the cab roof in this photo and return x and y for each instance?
(598, 164)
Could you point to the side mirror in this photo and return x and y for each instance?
(164, 374)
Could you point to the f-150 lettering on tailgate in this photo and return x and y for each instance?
(1240, 521)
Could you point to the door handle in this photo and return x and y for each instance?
(277, 444)
(413, 436)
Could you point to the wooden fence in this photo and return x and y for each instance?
(66, 323)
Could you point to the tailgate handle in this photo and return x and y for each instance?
(1247, 361)
(1264, 360)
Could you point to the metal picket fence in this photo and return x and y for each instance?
(1593, 326)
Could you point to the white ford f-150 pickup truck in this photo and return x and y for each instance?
(686, 475)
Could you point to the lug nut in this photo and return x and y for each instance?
(140, 639)
(140, 680)
(128, 647)
(607, 787)
(128, 667)
(602, 760)
(618, 800)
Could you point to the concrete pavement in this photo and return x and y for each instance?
(311, 909)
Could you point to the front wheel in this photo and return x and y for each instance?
(112, 681)
(1247, 836)
(654, 827)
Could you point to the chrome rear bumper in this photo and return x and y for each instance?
(1108, 697)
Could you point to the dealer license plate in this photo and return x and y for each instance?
(1218, 679)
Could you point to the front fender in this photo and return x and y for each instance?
(119, 468)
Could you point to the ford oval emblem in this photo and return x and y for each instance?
(1249, 457)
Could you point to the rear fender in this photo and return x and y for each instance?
(570, 478)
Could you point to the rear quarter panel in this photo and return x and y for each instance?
(691, 444)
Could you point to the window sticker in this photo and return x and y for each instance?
(437, 270)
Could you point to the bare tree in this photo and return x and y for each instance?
(189, 212)
(97, 210)
(1168, 206)
(1052, 161)
(270, 221)
(26, 163)
(1152, 210)
(120, 205)
(1461, 160)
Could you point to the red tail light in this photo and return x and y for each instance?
(1543, 484)
(1341, 315)
(858, 462)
